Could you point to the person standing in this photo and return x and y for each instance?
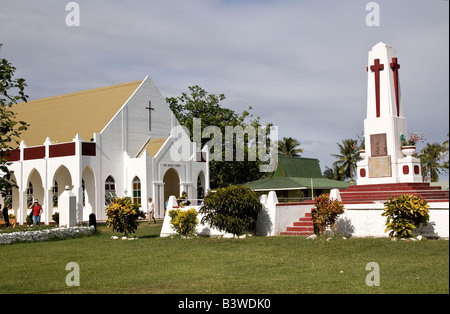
(151, 210)
(5, 215)
(37, 211)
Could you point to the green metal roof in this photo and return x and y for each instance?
(294, 173)
(298, 167)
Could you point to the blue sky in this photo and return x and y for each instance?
(299, 64)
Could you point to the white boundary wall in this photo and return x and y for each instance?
(201, 229)
(358, 220)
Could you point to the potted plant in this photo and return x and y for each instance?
(362, 146)
(409, 145)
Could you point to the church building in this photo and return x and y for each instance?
(103, 143)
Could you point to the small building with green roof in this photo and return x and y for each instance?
(296, 179)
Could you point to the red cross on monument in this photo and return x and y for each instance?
(150, 115)
(395, 66)
(377, 67)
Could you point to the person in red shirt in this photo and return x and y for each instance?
(37, 211)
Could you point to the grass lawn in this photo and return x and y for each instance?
(209, 266)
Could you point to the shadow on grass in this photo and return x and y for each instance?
(149, 236)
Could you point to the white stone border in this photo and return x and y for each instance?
(44, 235)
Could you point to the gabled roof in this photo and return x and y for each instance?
(62, 117)
(153, 146)
(297, 167)
(294, 173)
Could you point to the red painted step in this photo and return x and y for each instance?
(382, 192)
(303, 227)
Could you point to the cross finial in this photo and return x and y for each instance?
(376, 68)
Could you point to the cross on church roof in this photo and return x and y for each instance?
(149, 115)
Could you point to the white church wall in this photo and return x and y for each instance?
(138, 127)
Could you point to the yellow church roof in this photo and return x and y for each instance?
(62, 117)
(154, 145)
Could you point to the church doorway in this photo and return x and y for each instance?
(171, 183)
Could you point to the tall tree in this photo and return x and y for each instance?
(11, 92)
(347, 158)
(445, 165)
(430, 158)
(289, 147)
(208, 107)
(333, 173)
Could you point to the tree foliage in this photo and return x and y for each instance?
(289, 147)
(432, 158)
(11, 92)
(209, 108)
(347, 158)
(233, 209)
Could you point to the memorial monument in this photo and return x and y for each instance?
(386, 159)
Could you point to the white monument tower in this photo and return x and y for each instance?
(385, 160)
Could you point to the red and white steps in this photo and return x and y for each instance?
(363, 194)
(366, 194)
(303, 227)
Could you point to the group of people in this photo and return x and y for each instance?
(35, 214)
(37, 210)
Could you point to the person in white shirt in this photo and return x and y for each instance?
(151, 210)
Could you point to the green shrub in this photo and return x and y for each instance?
(29, 220)
(233, 209)
(325, 212)
(123, 215)
(184, 222)
(404, 214)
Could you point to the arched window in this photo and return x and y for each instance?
(29, 195)
(55, 194)
(110, 190)
(136, 190)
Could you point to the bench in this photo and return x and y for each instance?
(12, 222)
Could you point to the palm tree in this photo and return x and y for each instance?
(349, 156)
(333, 173)
(288, 147)
(430, 156)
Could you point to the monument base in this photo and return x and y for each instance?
(380, 170)
(383, 192)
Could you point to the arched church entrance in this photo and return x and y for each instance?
(171, 183)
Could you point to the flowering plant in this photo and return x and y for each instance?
(413, 139)
(362, 139)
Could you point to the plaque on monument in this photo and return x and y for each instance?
(380, 167)
(378, 146)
